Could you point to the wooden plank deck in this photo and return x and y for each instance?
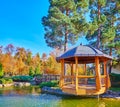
(82, 89)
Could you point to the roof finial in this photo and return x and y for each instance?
(81, 43)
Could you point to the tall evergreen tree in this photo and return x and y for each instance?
(105, 34)
(65, 22)
(97, 20)
(111, 34)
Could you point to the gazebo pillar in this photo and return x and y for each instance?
(72, 73)
(98, 75)
(84, 69)
(76, 69)
(107, 79)
(62, 73)
(105, 73)
(85, 73)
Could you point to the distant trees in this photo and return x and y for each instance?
(52, 67)
(19, 61)
(31, 71)
(1, 71)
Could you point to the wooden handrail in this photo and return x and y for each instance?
(80, 76)
(67, 83)
(85, 76)
(103, 76)
(68, 76)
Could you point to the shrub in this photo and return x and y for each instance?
(22, 78)
(9, 81)
(49, 84)
(115, 80)
(2, 81)
(6, 81)
(115, 77)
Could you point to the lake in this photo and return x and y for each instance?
(32, 97)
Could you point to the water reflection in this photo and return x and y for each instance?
(31, 97)
(20, 91)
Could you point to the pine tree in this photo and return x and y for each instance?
(97, 21)
(65, 22)
(37, 70)
(31, 71)
(103, 30)
(111, 35)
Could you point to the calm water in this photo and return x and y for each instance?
(31, 97)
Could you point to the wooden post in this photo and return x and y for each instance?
(62, 73)
(105, 73)
(72, 73)
(85, 69)
(76, 69)
(107, 79)
(85, 73)
(98, 75)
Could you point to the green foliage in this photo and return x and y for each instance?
(31, 72)
(104, 27)
(49, 84)
(115, 79)
(22, 78)
(65, 22)
(2, 81)
(1, 71)
(37, 70)
(102, 2)
(6, 81)
(108, 34)
(116, 89)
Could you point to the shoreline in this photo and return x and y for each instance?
(108, 95)
(20, 84)
(57, 91)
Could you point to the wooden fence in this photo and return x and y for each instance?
(46, 78)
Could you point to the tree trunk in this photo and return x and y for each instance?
(98, 38)
(99, 29)
(110, 67)
(66, 33)
(66, 40)
(110, 53)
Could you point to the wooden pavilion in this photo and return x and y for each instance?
(85, 84)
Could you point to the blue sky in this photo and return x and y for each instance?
(20, 24)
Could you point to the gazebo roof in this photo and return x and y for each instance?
(83, 52)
